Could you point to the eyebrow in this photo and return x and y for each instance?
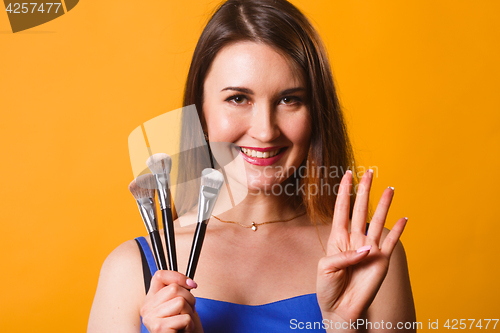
(292, 90)
(250, 92)
(240, 89)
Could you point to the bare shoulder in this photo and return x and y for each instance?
(120, 292)
(124, 258)
(394, 301)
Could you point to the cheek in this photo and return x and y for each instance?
(222, 128)
(299, 132)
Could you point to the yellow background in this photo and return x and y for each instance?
(419, 81)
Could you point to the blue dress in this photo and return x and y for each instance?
(288, 315)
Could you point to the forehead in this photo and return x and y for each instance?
(253, 65)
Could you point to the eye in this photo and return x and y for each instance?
(290, 100)
(237, 99)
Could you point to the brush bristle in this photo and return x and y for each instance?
(212, 178)
(160, 163)
(143, 187)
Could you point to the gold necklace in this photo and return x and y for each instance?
(255, 225)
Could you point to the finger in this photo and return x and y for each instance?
(360, 211)
(378, 221)
(183, 322)
(170, 324)
(173, 307)
(163, 278)
(392, 237)
(341, 211)
(339, 261)
(169, 292)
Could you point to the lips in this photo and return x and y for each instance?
(262, 156)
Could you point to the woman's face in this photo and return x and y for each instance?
(254, 101)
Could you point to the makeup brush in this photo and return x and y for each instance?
(143, 190)
(211, 182)
(160, 165)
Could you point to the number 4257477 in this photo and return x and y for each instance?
(32, 7)
(462, 324)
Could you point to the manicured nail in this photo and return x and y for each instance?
(406, 218)
(392, 188)
(364, 248)
(370, 171)
(191, 283)
(348, 171)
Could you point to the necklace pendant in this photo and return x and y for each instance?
(254, 226)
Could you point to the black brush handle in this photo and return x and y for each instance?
(158, 250)
(199, 236)
(168, 229)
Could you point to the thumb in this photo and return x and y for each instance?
(339, 261)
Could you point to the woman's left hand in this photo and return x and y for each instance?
(356, 264)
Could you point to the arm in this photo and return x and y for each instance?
(120, 292)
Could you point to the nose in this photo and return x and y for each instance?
(264, 126)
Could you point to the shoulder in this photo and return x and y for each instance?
(125, 255)
(120, 291)
(123, 266)
(395, 299)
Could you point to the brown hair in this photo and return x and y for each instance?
(281, 25)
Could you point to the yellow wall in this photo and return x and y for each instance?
(419, 81)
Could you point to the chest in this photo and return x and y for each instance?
(245, 270)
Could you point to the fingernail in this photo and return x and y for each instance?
(364, 248)
(370, 170)
(406, 218)
(191, 283)
(348, 171)
(392, 188)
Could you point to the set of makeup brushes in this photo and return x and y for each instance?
(143, 189)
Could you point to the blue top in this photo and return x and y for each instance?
(288, 315)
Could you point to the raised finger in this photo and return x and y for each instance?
(341, 211)
(360, 210)
(378, 221)
(392, 237)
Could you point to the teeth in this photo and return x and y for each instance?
(259, 154)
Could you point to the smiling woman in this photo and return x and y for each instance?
(263, 89)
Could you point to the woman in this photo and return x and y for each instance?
(261, 82)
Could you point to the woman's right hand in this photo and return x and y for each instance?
(169, 304)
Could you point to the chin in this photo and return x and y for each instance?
(265, 184)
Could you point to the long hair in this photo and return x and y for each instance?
(283, 27)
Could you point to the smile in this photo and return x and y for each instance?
(262, 156)
(259, 154)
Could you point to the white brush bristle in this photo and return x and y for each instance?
(159, 163)
(143, 187)
(212, 178)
